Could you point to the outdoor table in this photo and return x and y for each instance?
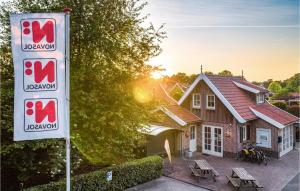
(244, 176)
(204, 168)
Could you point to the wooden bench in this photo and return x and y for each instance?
(215, 172)
(236, 182)
(258, 186)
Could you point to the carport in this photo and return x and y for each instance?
(157, 134)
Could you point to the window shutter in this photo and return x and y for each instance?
(241, 134)
(248, 132)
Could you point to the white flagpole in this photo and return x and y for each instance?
(68, 143)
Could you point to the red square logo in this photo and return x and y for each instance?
(38, 34)
(40, 114)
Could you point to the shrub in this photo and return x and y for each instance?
(281, 105)
(125, 176)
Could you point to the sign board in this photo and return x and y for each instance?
(39, 47)
(109, 176)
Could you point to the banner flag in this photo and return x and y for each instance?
(38, 46)
(167, 148)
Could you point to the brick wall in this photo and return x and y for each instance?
(258, 123)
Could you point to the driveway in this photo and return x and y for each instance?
(274, 177)
(166, 184)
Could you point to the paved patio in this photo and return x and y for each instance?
(275, 176)
(165, 184)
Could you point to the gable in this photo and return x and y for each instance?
(219, 114)
(215, 90)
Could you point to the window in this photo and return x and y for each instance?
(244, 133)
(196, 100)
(210, 102)
(192, 132)
(263, 137)
(260, 98)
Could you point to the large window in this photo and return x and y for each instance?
(196, 100)
(260, 98)
(263, 137)
(210, 102)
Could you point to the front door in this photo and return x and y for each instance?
(193, 141)
(212, 140)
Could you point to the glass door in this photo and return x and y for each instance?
(212, 140)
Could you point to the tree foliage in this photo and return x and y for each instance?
(225, 73)
(109, 48)
(176, 93)
(274, 87)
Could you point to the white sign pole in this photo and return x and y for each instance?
(68, 142)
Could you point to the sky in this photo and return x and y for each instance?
(260, 37)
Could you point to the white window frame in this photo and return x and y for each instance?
(197, 106)
(192, 132)
(260, 98)
(287, 139)
(269, 138)
(244, 129)
(210, 107)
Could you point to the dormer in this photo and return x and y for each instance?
(260, 97)
(257, 90)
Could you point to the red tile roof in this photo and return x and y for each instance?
(172, 106)
(275, 113)
(246, 83)
(237, 97)
(184, 114)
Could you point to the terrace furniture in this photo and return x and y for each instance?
(240, 178)
(205, 169)
(195, 172)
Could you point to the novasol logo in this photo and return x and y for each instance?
(40, 115)
(38, 34)
(40, 74)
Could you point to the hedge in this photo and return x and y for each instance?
(124, 176)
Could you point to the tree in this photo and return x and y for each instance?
(293, 83)
(282, 94)
(180, 77)
(281, 105)
(176, 93)
(225, 73)
(109, 48)
(208, 73)
(274, 87)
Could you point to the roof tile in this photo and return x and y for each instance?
(275, 113)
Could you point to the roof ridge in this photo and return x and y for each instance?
(255, 85)
(224, 76)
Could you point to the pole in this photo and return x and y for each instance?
(68, 143)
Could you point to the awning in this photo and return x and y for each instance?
(154, 130)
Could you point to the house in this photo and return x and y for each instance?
(293, 99)
(217, 114)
